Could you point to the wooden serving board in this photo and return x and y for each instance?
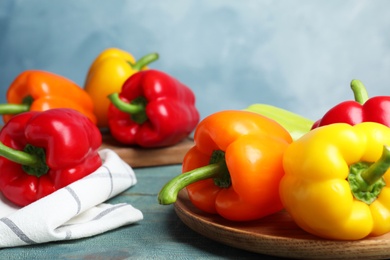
(277, 235)
(143, 157)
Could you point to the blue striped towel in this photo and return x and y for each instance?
(75, 211)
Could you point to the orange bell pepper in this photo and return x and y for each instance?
(235, 167)
(37, 90)
(107, 74)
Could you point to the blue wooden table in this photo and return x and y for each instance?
(160, 235)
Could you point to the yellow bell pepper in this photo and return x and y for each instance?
(107, 74)
(337, 183)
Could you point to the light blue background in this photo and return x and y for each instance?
(300, 55)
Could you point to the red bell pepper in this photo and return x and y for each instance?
(45, 151)
(153, 109)
(362, 109)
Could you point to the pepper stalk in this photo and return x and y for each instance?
(359, 91)
(32, 158)
(217, 169)
(136, 108)
(14, 109)
(144, 61)
(366, 179)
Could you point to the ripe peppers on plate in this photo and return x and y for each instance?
(234, 168)
(297, 125)
(108, 72)
(41, 152)
(362, 109)
(37, 90)
(337, 181)
(153, 109)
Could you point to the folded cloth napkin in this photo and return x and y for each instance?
(75, 211)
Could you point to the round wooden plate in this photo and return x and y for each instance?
(277, 235)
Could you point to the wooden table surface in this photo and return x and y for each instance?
(160, 235)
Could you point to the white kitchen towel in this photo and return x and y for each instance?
(75, 211)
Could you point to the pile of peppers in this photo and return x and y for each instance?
(52, 129)
(111, 68)
(332, 176)
(49, 139)
(137, 105)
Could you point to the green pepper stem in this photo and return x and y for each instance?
(32, 158)
(359, 91)
(168, 193)
(144, 61)
(376, 171)
(17, 156)
(136, 108)
(366, 179)
(13, 109)
(125, 107)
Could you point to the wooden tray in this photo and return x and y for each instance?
(143, 157)
(277, 235)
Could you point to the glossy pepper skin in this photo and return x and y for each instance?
(235, 167)
(362, 109)
(42, 152)
(337, 183)
(38, 90)
(111, 68)
(295, 124)
(153, 109)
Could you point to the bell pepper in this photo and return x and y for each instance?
(41, 152)
(362, 109)
(235, 167)
(38, 90)
(297, 125)
(337, 181)
(153, 109)
(107, 74)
